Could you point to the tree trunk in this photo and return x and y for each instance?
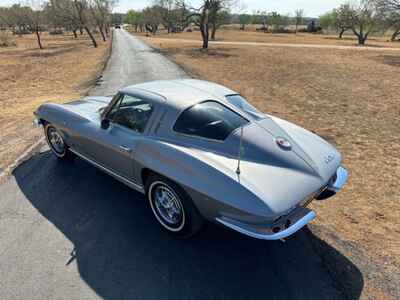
(102, 33)
(205, 35)
(91, 36)
(395, 35)
(297, 27)
(361, 35)
(243, 27)
(204, 27)
(74, 32)
(362, 39)
(341, 33)
(148, 28)
(38, 38)
(155, 28)
(213, 31)
(106, 28)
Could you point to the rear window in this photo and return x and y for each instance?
(209, 120)
(245, 106)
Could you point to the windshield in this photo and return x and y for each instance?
(245, 106)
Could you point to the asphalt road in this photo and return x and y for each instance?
(132, 61)
(69, 231)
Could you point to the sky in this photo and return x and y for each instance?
(312, 8)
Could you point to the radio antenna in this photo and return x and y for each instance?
(240, 151)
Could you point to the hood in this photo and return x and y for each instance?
(88, 107)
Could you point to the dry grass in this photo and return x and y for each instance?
(64, 70)
(352, 99)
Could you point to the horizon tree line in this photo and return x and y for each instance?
(362, 18)
(36, 16)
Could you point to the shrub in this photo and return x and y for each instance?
(21, 31)
(55, 32)
(282, 30)
(6, 40)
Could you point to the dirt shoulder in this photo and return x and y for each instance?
(351, 99)
(160, 40)
(66, 69)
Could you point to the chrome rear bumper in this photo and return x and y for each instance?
(269, 236)
(334, 187)
(36, 121)
(341, 178)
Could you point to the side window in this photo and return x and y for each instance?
(131, 112)
(210, 120)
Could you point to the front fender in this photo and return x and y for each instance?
(61, 118)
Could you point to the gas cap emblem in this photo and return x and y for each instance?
(329, 159)
(283, 143)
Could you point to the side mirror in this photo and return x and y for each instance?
(105, 123)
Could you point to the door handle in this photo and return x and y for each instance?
(125, 149)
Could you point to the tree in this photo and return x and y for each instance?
(205, 16)
(277, 21)
(363, 19)
(135, 18)
(203, 22)
(182, 13)
(343, 17)
(63, 13)
(244, 19)
(34, 17)
(17, 17)
(152, 18)
(389, 11)
(83, 15)
(25, 19)
(99, 10)
(327, 20)
(5, 18)
(299, 16)
(167, 12)
(260, 17)
(218, 18)
(82, 7)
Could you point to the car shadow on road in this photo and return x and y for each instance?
(121, 252)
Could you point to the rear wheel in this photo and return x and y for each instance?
(172, 207)
(56, 142)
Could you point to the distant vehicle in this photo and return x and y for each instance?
(117, 26)
(200, 151)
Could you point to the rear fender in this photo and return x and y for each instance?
(211, 189)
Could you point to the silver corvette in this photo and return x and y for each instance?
(200, 151)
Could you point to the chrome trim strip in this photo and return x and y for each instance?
(129, 183)
(37, 123)
(273, 236)
(341, 179)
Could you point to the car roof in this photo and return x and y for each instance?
(184, 92)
